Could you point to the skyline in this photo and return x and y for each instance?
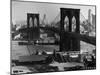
(20, 10)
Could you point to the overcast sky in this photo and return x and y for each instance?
(20, 10)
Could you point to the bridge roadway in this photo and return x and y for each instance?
(85, 38)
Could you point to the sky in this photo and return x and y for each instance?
(20, 10)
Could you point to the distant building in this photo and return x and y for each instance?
(94, 20)
(90, 16)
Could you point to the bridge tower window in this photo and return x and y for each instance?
(35, 22)
(66, 23)
(30, 22)
(73, 24)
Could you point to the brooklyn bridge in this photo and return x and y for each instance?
(64, 51)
